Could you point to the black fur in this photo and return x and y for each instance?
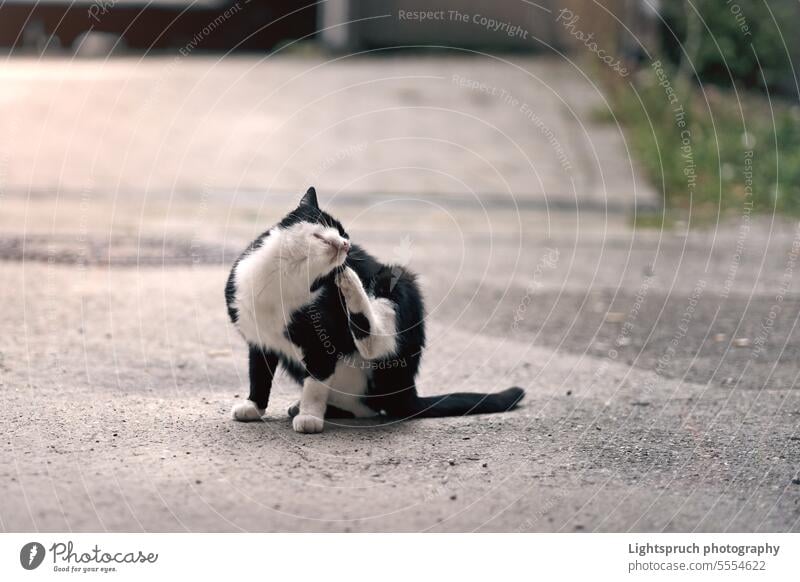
(330, 412)
(325, 330)
(263, 365)
(359, 326)
(230, 285)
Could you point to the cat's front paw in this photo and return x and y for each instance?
(350, 285)
(246, 411)
(307, 424)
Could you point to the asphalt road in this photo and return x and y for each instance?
(660, 376)
(118, 382)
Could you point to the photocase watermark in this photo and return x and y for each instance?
(328, 345)
(626, 330)
(665, 360)
(322, 335)
(362, 364)
(624, 335)
(185, 51)
(548, 261)
(682, 124)
(530, 522)
(474, 85)
(526, 110)
(664, 82)
(508, 28)
(209, 28)
(744, 225)
(201, 214)
(492, 24)
(568, 19)
(82, 237)
(738, 15)
(65, 558)
(401, 257)
(768, 322)
(95, 559)
(531, 115)
(335, 159)
(687, 154)
(31, 555)
(422, 15)
(682, 328)
(100, 8)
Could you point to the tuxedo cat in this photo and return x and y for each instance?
(346, 327)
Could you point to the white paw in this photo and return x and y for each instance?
(306, 423)
(351, 288)
(246, 411)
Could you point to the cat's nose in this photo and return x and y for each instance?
(345, 244)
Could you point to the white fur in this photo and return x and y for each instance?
(343, 389)
(348, 384)
(382, 339)
(313, 402)
(307, 423)
(274, 281)
(246, 411)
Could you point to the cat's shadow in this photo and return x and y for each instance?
(382, 424)
(345, 425)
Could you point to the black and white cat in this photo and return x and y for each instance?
(347, 328)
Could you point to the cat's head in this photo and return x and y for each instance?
(312, 238)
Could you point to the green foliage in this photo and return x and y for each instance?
(734, 36)
(723, 126)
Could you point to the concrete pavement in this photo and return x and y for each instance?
(510, 128)
(661, 379)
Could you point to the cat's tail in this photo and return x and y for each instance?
(461, 403)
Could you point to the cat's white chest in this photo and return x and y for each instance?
(266, 301)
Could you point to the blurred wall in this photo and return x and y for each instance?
(463, 23)
(624, 26)
(476, 24)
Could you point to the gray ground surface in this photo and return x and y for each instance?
(492, 128)
(652, 404)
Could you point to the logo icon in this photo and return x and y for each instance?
(31, 555)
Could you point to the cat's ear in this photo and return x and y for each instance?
(310, 198)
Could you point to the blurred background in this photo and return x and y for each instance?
(122, 63)
(601, 199)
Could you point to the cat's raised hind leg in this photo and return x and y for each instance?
(372, 319)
